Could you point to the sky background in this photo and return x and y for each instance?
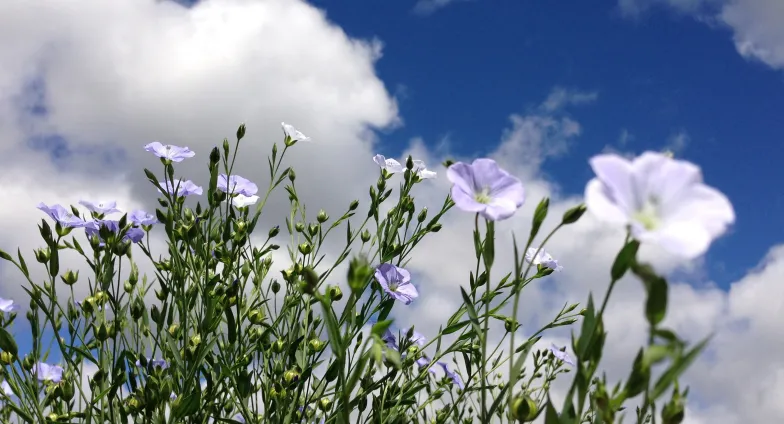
(541, 86)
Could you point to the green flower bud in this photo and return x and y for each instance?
(101, 333)
(256, 316)
(300, 227)
(245, 270)
(42, 255)
(291, 376)
(70, 277)
(275, 286)
(435, 228)
(215, 155)
(322, 216)
(353, 205)
(278, 346)
(313, 229)
(409, 163)
(359, 274)
(274, 231)
(325, 404)
(127, 287)
(524, 409)
(573, 215)
(6, 358)
(305, 248)
(335, 293)
(365, 236)
(292, 175)
(240, 132)
(316, 345)
(422, 215)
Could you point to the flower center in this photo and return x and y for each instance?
(647, 215)
(393, 286)
(483, 196)
(168, 147)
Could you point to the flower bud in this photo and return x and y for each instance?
(275, 286)
(316, 345)
(245, 270)
(313, 229)
(365, 236)
(422, 215)
(359, 273)
(305, 248)
(42, 255)
(274, 231)
(256, 316)
(573, 215)
(6, 358)
(240, 132)
(435, 228)
(70, 277)
(325, 404)
(335, 293)
(523, 409)
(101, 333)
(322, 216)
(214, 155)
(300, 227)
(278, 346)
(291, 376)
(174, 330)
(292, 175)
(409, 163)
(353, 205)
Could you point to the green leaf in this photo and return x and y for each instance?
(7, 343)
(639, 377)
(474, 318)
(656, 304)
(587, 330)
(333, 329)
(624, 260)
(539, 215)
(550, 415)
(488, 247)
(6, 256)
(655, 354)
(393, 356)
(231, 323)
(454, 327)
(22, 263)
(187, 405)
(380, 327)
(677, 368)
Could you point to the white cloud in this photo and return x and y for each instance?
(757, 25)
(427, 7)
(560, 97)
(115, 75)
(678, 142)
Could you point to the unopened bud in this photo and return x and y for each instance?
(274, 231)
(70, 277)
(353, 205)
(322, 216)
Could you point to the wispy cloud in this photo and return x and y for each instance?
(428, 7)
(677, 142)
(561, 97)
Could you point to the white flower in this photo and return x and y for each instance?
(542, 258)
(293, 133)
(421, 170)
(241, 201)
(392, 166)
(662, 200)
(8, 305)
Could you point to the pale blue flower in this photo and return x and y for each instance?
(169, 152)
(542, 258)
(660, 199)
(140, 217)
(236, 185)
(293, 133)
(390, 165)
(62, 215)
(8, 305)
(240, 201)
(6, 389)
(561, 354)
(184, 188)
(102, 208)
(46, 372)
(396, 282)
(484, 188)
(456, 380)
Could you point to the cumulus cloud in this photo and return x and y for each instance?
(81, 93)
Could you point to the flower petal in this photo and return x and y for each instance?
(617, 175)
(602, 205)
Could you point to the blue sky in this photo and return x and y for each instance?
(468, 66)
